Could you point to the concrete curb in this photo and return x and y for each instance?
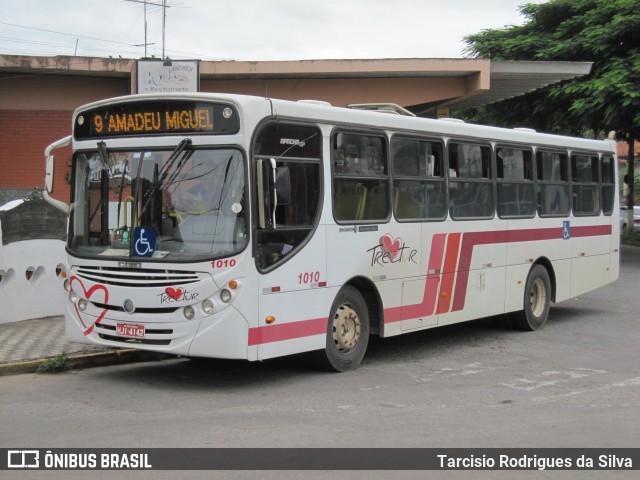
(85, 360)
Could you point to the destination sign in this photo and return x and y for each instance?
(156, 118)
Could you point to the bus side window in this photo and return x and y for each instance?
(553, 184)
(287, 162)
(471, 189)
(360, 178)
(419, 186)
(515, 182)
(608, 184)
(585, 185)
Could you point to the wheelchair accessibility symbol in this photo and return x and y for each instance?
(144, 241)
(566, 230)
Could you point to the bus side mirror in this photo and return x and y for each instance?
(49, 171)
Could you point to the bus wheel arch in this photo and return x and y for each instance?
(546, 263)
(373, 300)
(538, 294)
(353, 314)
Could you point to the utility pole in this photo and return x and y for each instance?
(145, 29)
(164, 17)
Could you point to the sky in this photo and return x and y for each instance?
(250, 29)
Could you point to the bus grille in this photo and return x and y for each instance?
(139, 341)
(150, 310)
(138, 277)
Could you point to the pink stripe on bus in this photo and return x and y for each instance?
(449, 273)
(457, 262)
(287, 331)
(428, 305)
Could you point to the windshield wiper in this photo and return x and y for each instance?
(104, 158)
(162, 174)
(104, 155)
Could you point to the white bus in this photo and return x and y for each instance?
(241, 227)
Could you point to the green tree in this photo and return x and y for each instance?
(605, 32)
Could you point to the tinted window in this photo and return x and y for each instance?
(470, 185)
(608, 184)
(419, 185)
(288, 189)
(360, 183)
(585, 187)
(515, 182)
(553, 184)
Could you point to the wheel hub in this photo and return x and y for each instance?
(538, 297)
(346, 328)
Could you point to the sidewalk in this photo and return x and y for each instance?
(25, 345)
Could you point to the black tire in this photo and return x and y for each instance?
(537, 295)
(347, 332)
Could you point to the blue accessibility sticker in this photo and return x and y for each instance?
(566, 229)
(144, 241)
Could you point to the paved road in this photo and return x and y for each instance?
(574, 384)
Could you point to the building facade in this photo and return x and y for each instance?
(39, 94)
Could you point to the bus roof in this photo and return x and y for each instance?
(436, 127)
(358, 118)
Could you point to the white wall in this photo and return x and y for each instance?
(42, 295)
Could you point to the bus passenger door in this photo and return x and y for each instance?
(289, 248)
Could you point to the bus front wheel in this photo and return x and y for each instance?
(347, 332)
(537, 294)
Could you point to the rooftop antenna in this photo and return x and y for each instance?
(164, 17)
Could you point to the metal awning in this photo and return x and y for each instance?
(512, 79)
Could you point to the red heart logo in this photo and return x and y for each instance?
(88, 327)
(174, 293)
(390, 245)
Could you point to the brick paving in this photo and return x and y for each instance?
(39, 338)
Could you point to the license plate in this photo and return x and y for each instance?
(128, 330)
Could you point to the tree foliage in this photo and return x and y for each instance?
(605, 32)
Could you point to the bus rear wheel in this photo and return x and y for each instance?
(347, 332)
(537, 294)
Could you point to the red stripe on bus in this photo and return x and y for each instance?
(470, 240)
(449, 272)
(287, 331)
(592, 231)
(459, 251)
(428, 305)
(490, 238)
(433, 279)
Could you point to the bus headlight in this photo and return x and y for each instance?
(67, 285)
(225, 295)
(73, 296)
(188, 312)
(207, 307)
(82, 304)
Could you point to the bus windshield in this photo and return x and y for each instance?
(191, 201)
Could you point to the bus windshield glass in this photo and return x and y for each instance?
(184, 204)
